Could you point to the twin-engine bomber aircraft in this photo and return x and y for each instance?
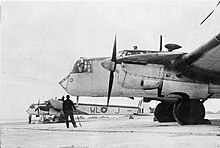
(181, 81)
(54, 108)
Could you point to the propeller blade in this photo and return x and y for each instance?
(114, 51)
(210, 13)
(160, 42)
(207, 17)
(38, 107)
(111, 78)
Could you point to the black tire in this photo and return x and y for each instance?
(189, 112)
(164, 112)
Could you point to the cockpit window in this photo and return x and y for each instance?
(32, 106)
(133, 52)
(82, 66)
(120, 54)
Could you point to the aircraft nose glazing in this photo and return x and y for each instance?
(108, 64)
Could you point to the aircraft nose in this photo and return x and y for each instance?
(64, 80)
(28, 111)
(108, 64)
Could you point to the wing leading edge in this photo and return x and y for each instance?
(206, 57)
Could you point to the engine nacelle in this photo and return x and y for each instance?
(146, 77)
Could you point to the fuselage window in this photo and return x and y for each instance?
(82, 66)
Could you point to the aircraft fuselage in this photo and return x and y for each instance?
(89, 78)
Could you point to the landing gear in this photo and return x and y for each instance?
(186, 112)
(164, 112)
(189, 112)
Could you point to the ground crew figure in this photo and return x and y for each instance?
(131, 117)
(62, 99)
(68, 107)
(29, 119)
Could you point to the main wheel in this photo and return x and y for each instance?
(164, 112)
(189, 112)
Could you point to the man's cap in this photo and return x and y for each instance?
(67, 96)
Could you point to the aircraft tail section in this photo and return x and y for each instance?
(140, 106)
(144, 108)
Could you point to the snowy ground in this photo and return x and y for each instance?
(112, 132)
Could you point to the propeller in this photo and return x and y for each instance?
(210, 13)
(38, 107)
(160, 43)
(110, 64)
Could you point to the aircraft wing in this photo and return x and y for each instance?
(206, 57)
(155, 58)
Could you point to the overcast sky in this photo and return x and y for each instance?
(40, 40)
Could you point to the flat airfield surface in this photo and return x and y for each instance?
(112, 132)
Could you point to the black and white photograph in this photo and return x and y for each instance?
(110, 73)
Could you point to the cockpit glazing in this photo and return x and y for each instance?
(82, 66)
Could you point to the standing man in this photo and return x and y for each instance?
(68, 107)
(29, 119)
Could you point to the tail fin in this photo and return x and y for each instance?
(140, 105)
